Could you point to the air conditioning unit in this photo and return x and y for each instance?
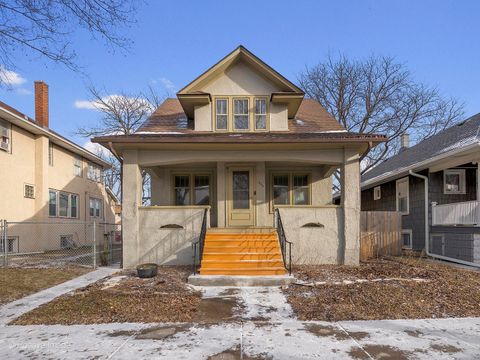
(4, 145)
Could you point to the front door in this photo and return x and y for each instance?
(240, 197)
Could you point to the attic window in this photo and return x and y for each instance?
(182, 123)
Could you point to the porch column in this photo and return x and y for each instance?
(261, 196)
(132, 199)
(351, 206)
(221, 194)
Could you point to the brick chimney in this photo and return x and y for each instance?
(41, 103)
(404, 142)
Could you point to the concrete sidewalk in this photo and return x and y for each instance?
(14, 309)
(248, 323)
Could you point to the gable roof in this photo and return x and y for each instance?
(311, 117)
(447, 142)
(244, 54)
(23, 121)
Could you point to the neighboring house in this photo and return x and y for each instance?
(46, 178)
(240, 140)
(446, 165)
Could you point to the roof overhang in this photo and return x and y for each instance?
(26, 123)
(440, 162)
(292, 100)
(189, 101)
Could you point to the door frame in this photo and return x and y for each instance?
(229, 190)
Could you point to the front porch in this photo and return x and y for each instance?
(241, 190)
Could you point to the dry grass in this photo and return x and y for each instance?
(448, 291)
(164, 298)
(16, 283)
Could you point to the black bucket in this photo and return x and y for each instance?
(147, 270)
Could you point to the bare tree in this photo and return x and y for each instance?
(379, 95)
(121, 114)
(45, 27)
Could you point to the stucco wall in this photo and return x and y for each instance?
(320, 244)
(169, 246)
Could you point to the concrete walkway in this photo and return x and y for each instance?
(12, 310)
(248, 323)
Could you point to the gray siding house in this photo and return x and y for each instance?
(445, 167)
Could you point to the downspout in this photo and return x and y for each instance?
(427, 228)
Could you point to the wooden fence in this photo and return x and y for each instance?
(380, 234)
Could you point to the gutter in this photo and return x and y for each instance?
(427, 227)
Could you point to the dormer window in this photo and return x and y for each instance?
(240, 114)
(221, 111)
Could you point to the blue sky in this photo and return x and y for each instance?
(174, 41)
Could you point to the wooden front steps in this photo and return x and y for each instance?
(247, 252)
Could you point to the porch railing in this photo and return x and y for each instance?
(200, 243)
(461, 213)
(284, 243)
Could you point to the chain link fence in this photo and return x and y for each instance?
(59, 243)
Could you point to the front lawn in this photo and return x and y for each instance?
(16, 283)
(395, 288)
(123, 297)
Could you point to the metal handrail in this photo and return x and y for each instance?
(200, 243)
(282, 238)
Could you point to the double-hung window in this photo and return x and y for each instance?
(260, 114)
(63, 204)
(192, 189)
(403, 202)
(96, 207)
(94, 172)
(240, 114)
(221, 114)
(77, 166)
(4, 135)
(291, 189)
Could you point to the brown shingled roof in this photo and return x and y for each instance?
(311, 117)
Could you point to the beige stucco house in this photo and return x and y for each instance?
(241, 141)
(47, 179)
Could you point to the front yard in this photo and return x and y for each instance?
(16, 283)
(395, 288)
(123, 297)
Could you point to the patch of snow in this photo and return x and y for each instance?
(113, 281)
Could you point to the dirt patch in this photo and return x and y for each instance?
(379, 352)
(449, 292)
(230, 292)
(449, 349)
(322, 331)
(235, 354)
(358, 335)
(414, 333)
(160, 332)
(164, 298)
(215, 310)
(19, 282)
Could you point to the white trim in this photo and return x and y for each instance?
(462, 186)
(409, 232)
(405, 179)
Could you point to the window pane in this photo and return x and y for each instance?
(260, 106)
(406, 240)
(182, 190)
(52, 204)
(202, 190)
(222, 122)
(241, 190)
(63, 209)
(73, 206)
(222, 107)
(301, 190)
(452, 182)
(92, 207)
(260, 122)
(402, 204)
(280, 190)
(241, 122)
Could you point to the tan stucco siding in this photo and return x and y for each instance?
(278, 117)
(203, 118)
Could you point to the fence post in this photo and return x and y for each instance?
(94, 246)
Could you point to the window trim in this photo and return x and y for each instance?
(8, 129)
(248, 114)
(191, 186)
(290, 174)
(230, 115)
(25, 191)
(408, 232)
(407, 180)
(462, 184)
(377, 193)
(69, 204)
